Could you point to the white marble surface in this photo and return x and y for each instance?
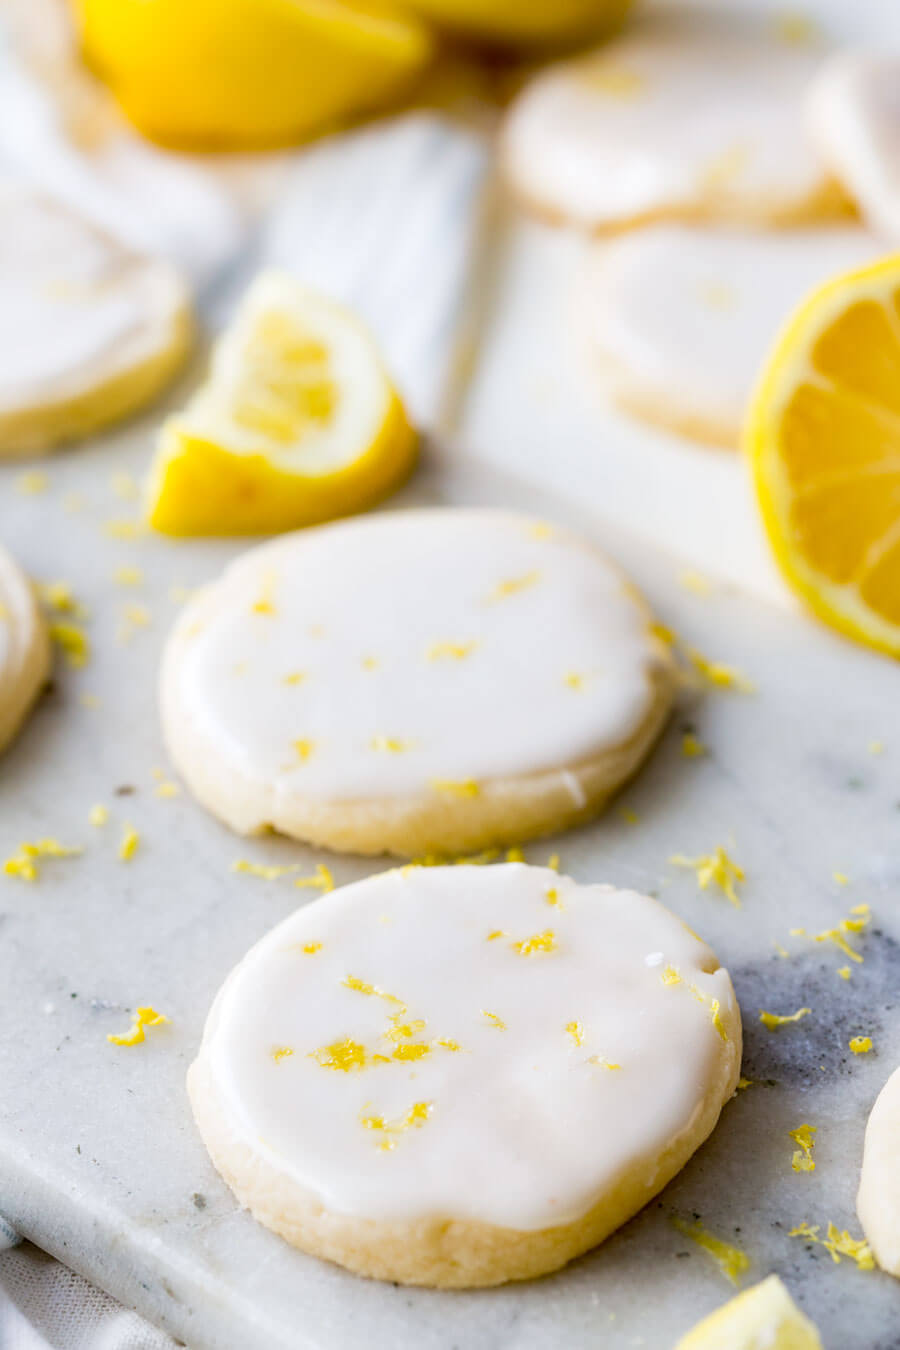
(99, 1160)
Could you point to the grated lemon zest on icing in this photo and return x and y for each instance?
(497, 933)
(576, 1031)
(31, 484)
(718, 675)
(861, 1045)
(466, 787)
(304, 748)
(371, 990)
(732, 1262)
(773, 1020)
(73, 642)
(515, 854)
(603, 1063)
(404, 1031)
(551, 895)
(128, 576)
(124, 529)
(448, 1045)
(715, 1011)
(716, 867)
(844, 972)
(695, 582)
(129, 844)
(369, 663)
(573, 679)
(295, 677)
(343, 1056)
(281, 1052)
(838, 1243)
(321, 880)
(537, 944)
(450, 651)
(265, 604)
(513, 585)
(691, 746)
(840, 878)
(494, 1020)
(802, 1160)
(24, 864)
(310, 948)
(670, 976)
(393, 744)
(98, 815)
(143, 1017)
(415, 1117)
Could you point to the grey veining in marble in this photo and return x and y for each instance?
(99, 1160)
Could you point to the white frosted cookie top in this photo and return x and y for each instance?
(679, 114)
(411, 652)
(74, 304)
(854, 118)
(489, 1043)
(686, 315)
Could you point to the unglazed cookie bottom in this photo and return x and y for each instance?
(24, 648)
(428, 681)
(411, 1079)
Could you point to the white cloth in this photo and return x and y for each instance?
(44, 1306)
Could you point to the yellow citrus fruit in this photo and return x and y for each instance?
(297, 423)
(523, 21)
(823, 434)
(229, 73)
(764, 1315)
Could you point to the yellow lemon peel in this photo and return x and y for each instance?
(691, 746)
(837, 1243)
(802, 1160)
(281, 1052)
(513, 585)
(719, 676)
(129, 844)
(59, 596)
(538, 944)
(494, 1020)
(414, 1118)
(393, 745)
(98, 815)
(24, 864)
(142, 1018)
(861, 1045)
(450, 651)
(732, 1262)
(73, 642)
(576, 1031)
(773, 1020)
(714, 868)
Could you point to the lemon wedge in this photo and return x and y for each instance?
(297, 423)
(823, 435)
(221, 74)
(762, 1318)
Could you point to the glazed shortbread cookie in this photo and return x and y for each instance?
(854, 119)
(682, 118)
(24, 647)
(89, 330)
(464, 1075)
(681, 317)
(424, 680)
(878, 1201)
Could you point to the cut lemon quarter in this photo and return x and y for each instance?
(823, 434)
(298, 423)
(764, 1316)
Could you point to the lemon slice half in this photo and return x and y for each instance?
(823, 435)
(297, 423)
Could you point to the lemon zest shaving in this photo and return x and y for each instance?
(494, 1020)
(143, 1017)
(450, 651)
(24, 864)
(691, 746)
(59, 596)
(773, 1020)
(538, 944)
(514, 585)
(576, 1031)
(73, 642)
(861, 1045)
(838, 1243)
(129, 844)
(98, 815)
(670, 976)
(393, 744)
(716, 867)
(282, 1052)
(514, 854)
(553, 862)
(310, 948)
(321, 880)
(802, 1160)
(844, 972)
(718, 675)
(415, 1117)
(295, 677)
(304, 748)
(732, 1262)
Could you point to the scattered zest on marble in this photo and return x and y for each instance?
(732, 1262)
(129, 844)
(803, 1160)
(716, 867)
(838, 1243)
(144, 1017)
(861, 1045)
(24, 864)
(773, 1020)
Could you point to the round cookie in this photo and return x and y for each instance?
(417, 681)
(683, 117)
(24, 648)
(681, 317)
(853, 114)
(89, 330)
(459, 1076)
(878, 1200)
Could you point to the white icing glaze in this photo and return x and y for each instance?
(24, 646)
(854, 119)
(402, 652)
(685, 315)
(74, 305)
(526, 1123)
(678, 114)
